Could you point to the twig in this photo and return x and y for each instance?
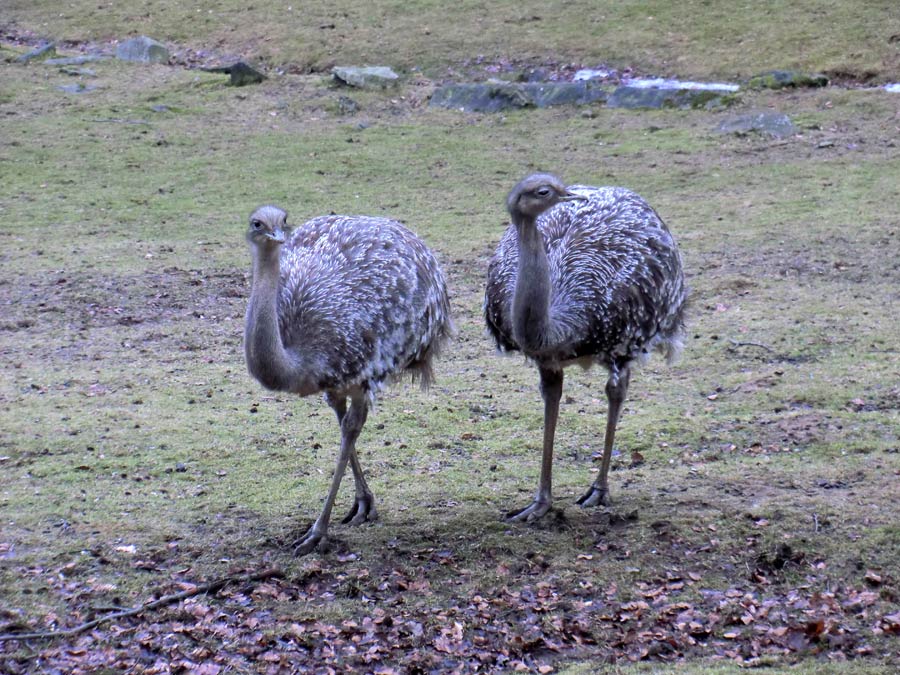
(751, 344)
(210, 587)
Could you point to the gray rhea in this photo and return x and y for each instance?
(341, 305)
(583, 275)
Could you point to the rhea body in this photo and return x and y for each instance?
(583, 275)
(341, 305)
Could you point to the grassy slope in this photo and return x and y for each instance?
(123, 278)
(696, 38)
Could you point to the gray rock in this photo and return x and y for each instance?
(142, 50)
(368, 76)
(78, 72)
(769, 124)
(488, 97)
(44, 51)
(347, 106)
(627, 96)
(75, 60)
(77, 88)
(497, 96)
(546, 94)
(780, 79)
(241, 74)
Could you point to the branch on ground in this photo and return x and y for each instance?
(211, 587)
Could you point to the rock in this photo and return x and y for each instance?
(769, 124)
(75, 60)
(630, 96)
(44, 51)
(546, 94)
(78, 72)
(488, 97)
(347, 106)
(368, 76)
(497, 96)
(77, 88)
(241, 74)
(143, 50)
(780, 79)
(894, 88)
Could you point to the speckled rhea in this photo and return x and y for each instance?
(583, 275)
(341, 305)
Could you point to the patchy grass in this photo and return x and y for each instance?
(757, 525)
(695, 38)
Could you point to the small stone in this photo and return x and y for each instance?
(77, 88)
(78, 72)
(41, 52)
(769, 124)
(180, 467)
(368, 76)
(347, 106)
(75, 60)
(241, 74)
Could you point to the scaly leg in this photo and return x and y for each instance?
(616, 389)
(551, 390)
(352, 422)
(363, 508)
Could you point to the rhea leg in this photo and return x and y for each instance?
(551, 390)
(616, 389)
(363, 508)
(352, 422)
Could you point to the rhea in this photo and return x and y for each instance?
(583, 275)
(341, 305)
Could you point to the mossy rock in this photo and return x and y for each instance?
(782, 79)
(660, 97)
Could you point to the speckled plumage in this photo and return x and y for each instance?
(363, 298)
(617, 283)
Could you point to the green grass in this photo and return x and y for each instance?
(127, 417)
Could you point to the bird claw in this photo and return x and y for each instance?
(595, 496)
(309, 542)
(537, 509)
(363, 510)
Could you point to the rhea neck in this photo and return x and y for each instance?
(531, 300)
(267, 359)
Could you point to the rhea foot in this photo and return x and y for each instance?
(363, 510)
(595, 496)
(537, 509)
(313, 538)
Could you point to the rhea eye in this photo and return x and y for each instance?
(256, 224)
(543, 191)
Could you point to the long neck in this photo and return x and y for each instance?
(531, 301)
(267, 359)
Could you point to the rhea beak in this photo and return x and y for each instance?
(277, 236)
(570, 196)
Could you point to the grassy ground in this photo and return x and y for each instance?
(138, 457)
(695, 38)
